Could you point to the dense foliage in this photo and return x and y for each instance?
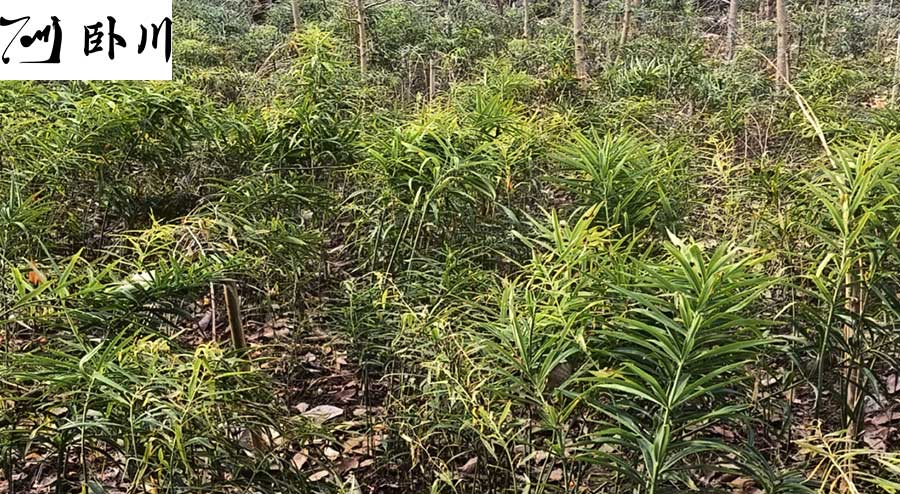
(461, 266)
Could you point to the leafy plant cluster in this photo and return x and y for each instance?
(670, 277)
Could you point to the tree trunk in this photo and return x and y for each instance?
(235, 324)
(361, 33)
(578, 36)
(259, 10)
(782, 40)
(731, 35)
(525, 21)
(895, 91)
(765, 9)
(855, 305)
(635, 4)
(295, 11)
(431, 80)
(626, 24)
(233, 307)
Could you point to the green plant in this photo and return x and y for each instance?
(851, 278)
(626, 176)
(672, 365)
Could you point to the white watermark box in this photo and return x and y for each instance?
(85, 39)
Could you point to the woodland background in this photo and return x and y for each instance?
(624, 246)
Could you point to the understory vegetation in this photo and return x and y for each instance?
(399, 247)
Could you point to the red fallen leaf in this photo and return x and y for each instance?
(35, 276)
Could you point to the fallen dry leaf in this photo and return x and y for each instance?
(323, 413)
(742, 485)
(892, 384)
(347, 464)
(469, 466)
(321, 474)
(205, 321)
(723, 432)
(885, 418)
(353, 443)
(345, 395)
(876, 437)
(331, 453)
(300, 459)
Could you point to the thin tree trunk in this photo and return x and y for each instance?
(361, 34)
(235, 323)
(259, 11)
(855, 306)
(233, 307)
(782, 41)
(431, 83)
(295, 11)
(895, 91)
(525, 32)
(731, 35)
(635, 24)
(851, 291)
(578, 36)
(626, 24)
(765, 9)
